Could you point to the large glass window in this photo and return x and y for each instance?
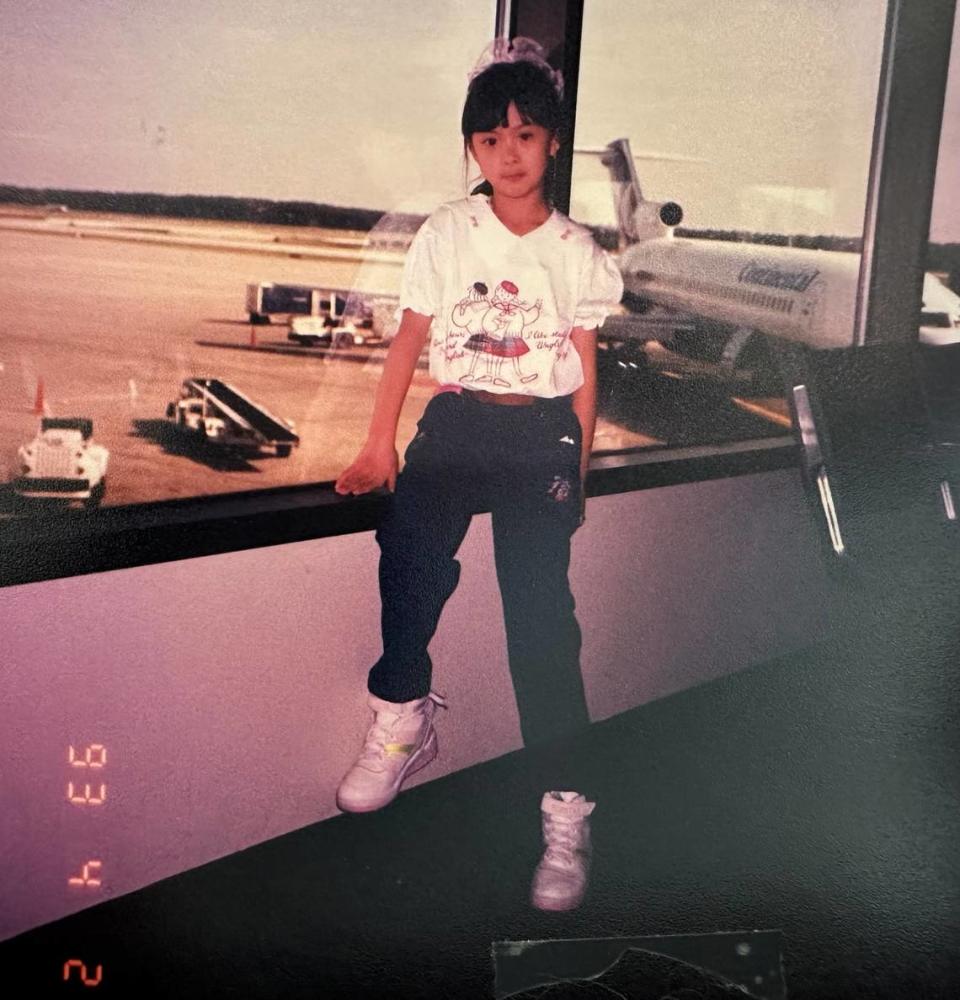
(166, 174)
(736, 205)
(205, 216)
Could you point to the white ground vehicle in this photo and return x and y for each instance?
(316, 315)
(332, 331)
(62, 462)
(218, 413)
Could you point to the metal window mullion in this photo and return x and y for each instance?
(550, 21)
(908, 117)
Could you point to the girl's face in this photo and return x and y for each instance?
(514, 157)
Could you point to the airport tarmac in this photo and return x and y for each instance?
(108, 329)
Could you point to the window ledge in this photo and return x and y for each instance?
(71, 543)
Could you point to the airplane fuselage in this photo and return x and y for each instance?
(807, 296)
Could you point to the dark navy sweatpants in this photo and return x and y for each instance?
(522, 463)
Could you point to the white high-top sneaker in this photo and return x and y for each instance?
(561, 877)
(401, 741)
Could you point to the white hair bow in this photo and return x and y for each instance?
(517, 50)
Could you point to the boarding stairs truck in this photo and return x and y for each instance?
(216, 412)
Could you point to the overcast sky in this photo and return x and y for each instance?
(358, 103)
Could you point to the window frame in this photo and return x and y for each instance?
(916, 52)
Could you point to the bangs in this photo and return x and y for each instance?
(503, 84)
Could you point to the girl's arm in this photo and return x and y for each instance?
(585, 398)
(377, 462)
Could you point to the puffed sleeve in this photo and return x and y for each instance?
(601, 288)
(420, 284)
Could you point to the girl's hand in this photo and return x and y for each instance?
(375, 465)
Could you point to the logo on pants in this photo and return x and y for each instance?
(559, 489)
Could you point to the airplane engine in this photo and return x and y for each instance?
(652, 219)
(671, 214)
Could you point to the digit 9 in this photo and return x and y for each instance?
(94, 756)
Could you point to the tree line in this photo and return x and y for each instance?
(944, 257)
(219, 208)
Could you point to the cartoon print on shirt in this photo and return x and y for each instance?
(498, 334)
(468, 312)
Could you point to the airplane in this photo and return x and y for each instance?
(733, 292)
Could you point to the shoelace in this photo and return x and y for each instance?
(374, 753)
(375, 746)
(563, 840)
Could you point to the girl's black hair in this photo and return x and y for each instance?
(521, 83)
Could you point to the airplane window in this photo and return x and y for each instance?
(184, 205)
(723, 151)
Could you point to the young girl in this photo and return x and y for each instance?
(509, 293)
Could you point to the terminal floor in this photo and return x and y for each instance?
(815, 795)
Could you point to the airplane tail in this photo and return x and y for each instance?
(637, 218)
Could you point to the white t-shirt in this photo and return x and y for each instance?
(503, 305)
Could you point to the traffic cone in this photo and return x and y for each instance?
(39, 403)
